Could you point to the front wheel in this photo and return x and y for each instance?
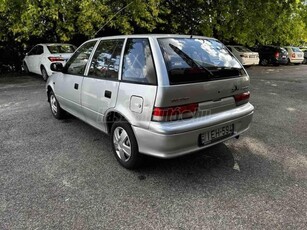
(56, 110)
(25, 67)
(124, 145)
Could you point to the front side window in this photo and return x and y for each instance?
(77, 63)
(190, 60)
(105, 63)
(33, 51)
(138, 66)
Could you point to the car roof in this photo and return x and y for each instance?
(53, 44)
(153, 36)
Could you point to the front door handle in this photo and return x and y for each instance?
(76, 86)
(107, 94)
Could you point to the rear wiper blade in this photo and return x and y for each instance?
(189, 60)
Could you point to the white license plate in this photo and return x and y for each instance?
(216, 134)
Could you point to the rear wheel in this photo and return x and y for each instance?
(264, 62)
(44, 73)
(56, 110)
(124, 145)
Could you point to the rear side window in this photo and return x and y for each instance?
(40, 50)
(190, 60)
(138, 66)
(77, 63)
(105, 63)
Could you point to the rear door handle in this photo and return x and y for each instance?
(107, 94)
(76, 86)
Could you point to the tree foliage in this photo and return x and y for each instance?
(236, 21)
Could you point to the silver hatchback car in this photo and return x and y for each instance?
(160, 95)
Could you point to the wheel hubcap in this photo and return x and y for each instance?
(53, 104)
(122, 144)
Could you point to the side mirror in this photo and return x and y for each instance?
(57, 67)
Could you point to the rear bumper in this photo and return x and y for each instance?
(250, 61)
(297, 60)
(180, 139)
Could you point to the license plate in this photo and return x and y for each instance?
(216, 134)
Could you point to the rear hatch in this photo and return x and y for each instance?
(281, 54)
(297, 53)
(60, 52)
(204, 79)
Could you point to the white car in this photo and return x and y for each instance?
(40, 57)
(296, 56)
(245, 55)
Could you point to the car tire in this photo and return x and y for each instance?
(25, 67)
(55, 107)
(264, 62)
(44, 73)
(124, 144)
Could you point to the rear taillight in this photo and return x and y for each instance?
(242, 98)
(293, 55)
(244, 55)
(54, 59)
(174, 113)
(277, 55)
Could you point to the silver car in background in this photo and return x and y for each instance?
(160, 95)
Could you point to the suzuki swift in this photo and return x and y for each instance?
(159, 95)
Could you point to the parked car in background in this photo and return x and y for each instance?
(160, 95)
(296, 56)
(305, 55)
(40, 57)
(274, 55)
(244, 55)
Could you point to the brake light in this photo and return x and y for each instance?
(276, 54)
(54, 59)
(242, 98)
(174, 113)
(293, 55)
(244, 55)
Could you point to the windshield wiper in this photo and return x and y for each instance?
(189, 60)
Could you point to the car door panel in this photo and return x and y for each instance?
(68, 85)
(100, 87)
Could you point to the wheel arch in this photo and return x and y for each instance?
(49, 89)
(113, 116)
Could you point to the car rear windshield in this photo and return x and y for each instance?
(296, 49)
(190, 60)
(242, 49)
(56, 49)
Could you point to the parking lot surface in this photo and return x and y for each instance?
(63, 175)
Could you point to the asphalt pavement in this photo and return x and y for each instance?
(63, 175)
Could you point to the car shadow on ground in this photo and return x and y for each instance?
(218, 156)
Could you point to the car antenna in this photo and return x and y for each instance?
(111, 18)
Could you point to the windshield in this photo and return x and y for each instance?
(195, 60)
(242, 49)
(56, 49)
